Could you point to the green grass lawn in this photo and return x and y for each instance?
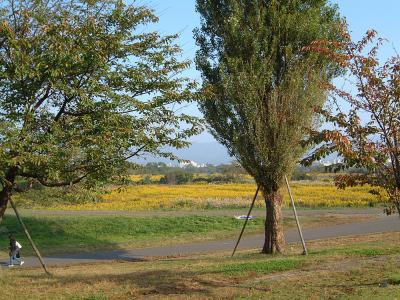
(80, 233)
(364, 267)
(261, 267)
(77, 233)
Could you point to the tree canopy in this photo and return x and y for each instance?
(260, 86)
(367, 135)
(84, 87)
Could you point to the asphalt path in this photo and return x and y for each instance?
(378, 225)
(258, 212)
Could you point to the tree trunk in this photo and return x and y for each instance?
(397, 199)
(274, 238)
(397, 202)
(5, 195)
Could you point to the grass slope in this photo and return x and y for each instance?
(82, 233)
(78, 234)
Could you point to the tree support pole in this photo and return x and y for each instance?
(29, 237)
(297, 218)
(245, 222)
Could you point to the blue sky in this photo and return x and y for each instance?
(179, 16)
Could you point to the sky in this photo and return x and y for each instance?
(180, 16)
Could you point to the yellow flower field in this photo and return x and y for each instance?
(200, 196)
(137, 178)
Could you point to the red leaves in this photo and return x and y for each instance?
(372, 144)
(348, 180)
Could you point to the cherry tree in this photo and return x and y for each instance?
(367, 135)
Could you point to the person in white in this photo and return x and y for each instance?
(15, 248)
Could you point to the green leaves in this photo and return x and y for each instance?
(260, 86)
(83, 89)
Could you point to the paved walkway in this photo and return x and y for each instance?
(382, 224)
(258, 212)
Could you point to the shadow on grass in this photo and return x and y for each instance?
(106, 237)
(158, 282)
(155, 282)
(52, 235)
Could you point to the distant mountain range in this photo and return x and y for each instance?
(213, 153)
(203, 153)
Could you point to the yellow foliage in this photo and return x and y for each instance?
(200, 196)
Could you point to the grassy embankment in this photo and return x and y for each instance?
(55, 234)
(364, 267)
(61, 234)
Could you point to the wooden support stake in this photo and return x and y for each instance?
(29, 237)
(245, 222)
(297, 219)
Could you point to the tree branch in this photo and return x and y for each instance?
(54, 184)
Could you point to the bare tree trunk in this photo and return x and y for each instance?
(274, 238)
(397, 204)
(5, 195)
(397, 200)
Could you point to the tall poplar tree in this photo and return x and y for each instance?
(85, 86)
(260, 87)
